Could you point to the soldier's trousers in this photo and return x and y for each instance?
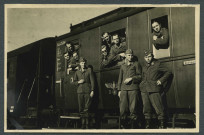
(128, 103)
(84, 101)
(152, 100)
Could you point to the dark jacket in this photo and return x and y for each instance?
(88, 77)
(162, 40)
(73, 62)
(133, 71)
(104, 61)
(151, 73)
(115, 51)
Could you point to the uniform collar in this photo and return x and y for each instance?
(151, 64)
(83, 70)
(128, 63)
(158, 33)
(116, 46)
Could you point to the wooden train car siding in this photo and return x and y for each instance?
(90, 48)
(183, 31)
(138, 34)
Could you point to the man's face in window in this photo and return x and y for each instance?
(156, 26)
(69, 47)
(104, 51)
(106, 36)
(75, 55)
(115, 39)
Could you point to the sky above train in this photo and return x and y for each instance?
(27, 25)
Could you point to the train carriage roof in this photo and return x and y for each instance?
(28, 47)
(103, 19)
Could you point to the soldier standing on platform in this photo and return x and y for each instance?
(84, 79)
(154, 74)
(128, 87)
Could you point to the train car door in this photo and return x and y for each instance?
(184, 50)
(66, 95)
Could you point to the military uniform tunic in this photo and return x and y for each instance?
(129, 96)
(162, 41)
(85, 88)
(150, 91)
(115, 51)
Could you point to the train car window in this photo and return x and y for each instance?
(113, 46)
(160, 37)
(71, 55)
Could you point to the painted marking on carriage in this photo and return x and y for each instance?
(190, 62)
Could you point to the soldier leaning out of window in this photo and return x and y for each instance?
(106, 40)
(73, 63)
(69, 50)
(117, 52)
(104, 57)
(160, 36)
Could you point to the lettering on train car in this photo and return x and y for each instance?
(160, 37)
(60, 62)
(189, 62)
(113, 46)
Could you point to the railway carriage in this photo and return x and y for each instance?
(134, 27)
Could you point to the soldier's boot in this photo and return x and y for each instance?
(135, 123)
(83, 125)
(161, 124)
(87, 123)
(124, 124)
(148, 123)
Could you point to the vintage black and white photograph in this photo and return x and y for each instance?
(101, 68)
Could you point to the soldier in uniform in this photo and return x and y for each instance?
(105, 61)
(84, 79)
(68, 51)
(74, 61)
(154, 74)
(160, 36)
(117, 52)
(106, 40)
(128, 88)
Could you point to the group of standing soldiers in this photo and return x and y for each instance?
(147, 81)
(133, 81)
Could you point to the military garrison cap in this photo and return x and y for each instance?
(82, 59)
(147, 52)
(129, 51)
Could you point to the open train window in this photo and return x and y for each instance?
(71, 55)
(160, 37)
(113, 46)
